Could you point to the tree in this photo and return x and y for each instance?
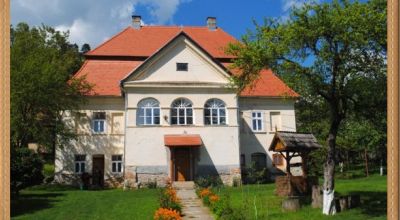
(333, 48)
(42, 63)
(25, 168)
(85, 48)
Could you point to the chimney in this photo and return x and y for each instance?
(212, 23)
(136, 21)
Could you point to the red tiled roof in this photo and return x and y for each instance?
(105, 75)
(175, 140)
(266, 85)
(147, 40)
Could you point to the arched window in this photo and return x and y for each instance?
(148, 112)
(259, 160)
(182, 112)
(214, 112)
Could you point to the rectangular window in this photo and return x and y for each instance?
(116, 164)
(99, 121)
(277, 159)
(80, 163)
(275, 121)
(181, 66)
(257, 121)
(242, 160)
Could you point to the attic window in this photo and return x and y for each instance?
(181, 66)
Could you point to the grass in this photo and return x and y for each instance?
(69, 203)
(55, 202)
(261, 198)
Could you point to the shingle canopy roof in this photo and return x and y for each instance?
(294, 142)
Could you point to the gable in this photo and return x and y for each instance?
(162, 66)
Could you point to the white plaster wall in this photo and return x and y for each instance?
(163, 67)
(252, 142)
(198, 96)
(145, 144)
(109, 143)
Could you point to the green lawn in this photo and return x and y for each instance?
(68, 203)
(268, 206)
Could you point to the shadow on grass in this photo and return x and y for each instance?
(372, 203)
(30, 203)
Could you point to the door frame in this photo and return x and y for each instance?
(95, 157)
(173, 167)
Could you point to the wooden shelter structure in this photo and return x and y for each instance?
(289, 145)
(293, 144)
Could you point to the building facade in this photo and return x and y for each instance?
(162, 107)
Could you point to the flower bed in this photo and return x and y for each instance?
(170, 206)
(219, 205)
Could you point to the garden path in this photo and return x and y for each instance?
(192, 206)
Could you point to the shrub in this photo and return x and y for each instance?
(236, 182)
(167, 214)
(25, 169)
(253, 175)
(208, 181)
(169, 199)
(48, 172)
(151, 184)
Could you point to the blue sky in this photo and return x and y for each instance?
(94, 21)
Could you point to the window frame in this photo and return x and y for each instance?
(242, 160)
(256, 155)
(144, 105)
(79, 162)
(278, 128)
(181, 106)
(117, 162)
(213, 106)
(179, 66)
(257, 118)
(95, 120)
(279, 157)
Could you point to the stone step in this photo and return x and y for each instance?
(183, 185)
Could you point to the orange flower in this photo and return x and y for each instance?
(205, 192)
(171, 193)
(214, 198)
(167, 214)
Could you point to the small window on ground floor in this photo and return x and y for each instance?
(259, 160)
(242, 160)
(277, 159)
(80, 163)
(116, 165)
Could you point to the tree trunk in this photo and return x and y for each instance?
(328, 207)
(366, 162)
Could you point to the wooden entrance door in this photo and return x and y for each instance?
(98, 170)
(182, 164)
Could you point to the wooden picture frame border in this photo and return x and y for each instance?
(5, 109)
(393, 110)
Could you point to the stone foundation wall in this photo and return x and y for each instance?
(138, 176)
(227, 174)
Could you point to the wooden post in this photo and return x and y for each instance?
(288, 163)
(304, 158)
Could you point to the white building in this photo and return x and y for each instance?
(162, 108)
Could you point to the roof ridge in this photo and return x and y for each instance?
(102, 44)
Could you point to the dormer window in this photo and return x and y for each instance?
(181, 66)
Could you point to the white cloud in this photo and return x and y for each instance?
(289, 4)
(80, 31)
(91, 21)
